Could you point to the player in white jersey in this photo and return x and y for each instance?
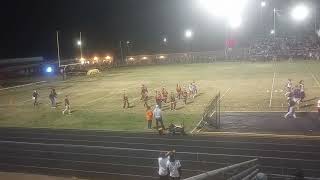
(291, 109)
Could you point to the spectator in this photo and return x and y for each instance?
(157, 113)
(174, 167)
(162, 161)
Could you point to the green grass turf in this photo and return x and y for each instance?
(97, 101)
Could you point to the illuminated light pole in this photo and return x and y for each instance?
(79, 43)
(263, 4)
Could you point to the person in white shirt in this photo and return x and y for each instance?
(157, 114)
(162, 161)
(174, 168)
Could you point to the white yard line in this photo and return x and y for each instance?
(95, 100)
(315, 80)
(23, 85)
(271, 93)
(62, 145)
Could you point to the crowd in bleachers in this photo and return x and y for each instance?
(285, 47)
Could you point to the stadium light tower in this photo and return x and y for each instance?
(300, 12)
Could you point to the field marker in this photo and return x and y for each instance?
(270, 102)
(29, 84)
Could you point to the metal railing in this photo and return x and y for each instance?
(236, 171)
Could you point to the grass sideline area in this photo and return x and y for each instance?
(97, 101)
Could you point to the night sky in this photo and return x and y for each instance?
(28, 27)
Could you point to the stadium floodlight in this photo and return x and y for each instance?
(230, 10)
(49, 69)
(188, 34)
(235, 22)
(263, 4)
(79, 43)
(300, 12)
(272, 31)
(164, 40)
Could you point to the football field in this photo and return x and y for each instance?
(96, 102)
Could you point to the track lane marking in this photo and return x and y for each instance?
(77, 170)
(164, 145)
(153, 150)
(171, 139)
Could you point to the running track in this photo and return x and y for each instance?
(123, 156)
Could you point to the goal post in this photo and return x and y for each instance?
(211, 115)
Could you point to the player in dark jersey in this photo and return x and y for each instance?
(125, 100)
(144, 90)
(173, 102)
(53, 98)
(67, 105)
(179, 91)
(145, 99)
(35, 96)
(185, 95)
(158, 99)
(164, 94)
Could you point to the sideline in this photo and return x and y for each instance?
(23, 85)
(271, 93)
